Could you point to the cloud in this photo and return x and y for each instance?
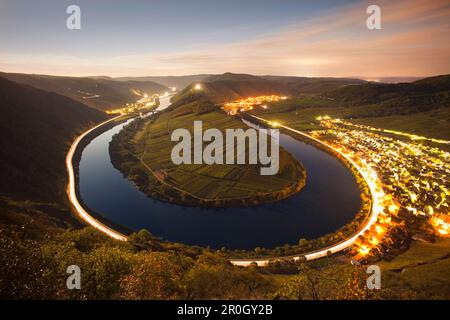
(413, 42)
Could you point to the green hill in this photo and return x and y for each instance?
(36, 130)
(420, 107)
(400, 98)
(304, 85)
(142, 151)
(101, 93)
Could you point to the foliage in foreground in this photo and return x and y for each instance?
(36, 269)
(35, 254)
(112, 270)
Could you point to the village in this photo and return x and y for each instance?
(414, 176)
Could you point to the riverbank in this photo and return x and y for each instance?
(130, 208)
(73, 190)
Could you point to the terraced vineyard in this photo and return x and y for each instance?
(152, 169)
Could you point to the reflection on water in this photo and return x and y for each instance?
(329, 200)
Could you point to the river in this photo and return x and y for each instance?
(329, 200)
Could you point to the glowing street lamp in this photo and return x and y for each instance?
(274, 124)
(364, 250)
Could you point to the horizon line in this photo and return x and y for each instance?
(367, 78)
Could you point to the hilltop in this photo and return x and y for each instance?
(228, 87)
(294, 84)
(399, 98)
(180, 82)
(231, 86)
(304, 85)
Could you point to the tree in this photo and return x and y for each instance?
(303, 242)
(213, 277)
(326, 281)
(24, 272)
(157, 275)
(141, 237)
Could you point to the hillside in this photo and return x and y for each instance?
(301, 85)
(36, 130)
(420, 107)
(100, 93)
(304, 85)
(231, 86)
(400, 98)
(179, 82)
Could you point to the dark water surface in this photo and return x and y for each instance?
(329, 200)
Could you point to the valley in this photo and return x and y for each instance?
(227, 234)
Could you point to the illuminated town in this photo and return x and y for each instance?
(144, 104)
(414, 177)
(232, 108)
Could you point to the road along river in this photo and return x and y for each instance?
(329, 200)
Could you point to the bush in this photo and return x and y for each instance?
(157, 275)
(213, 277)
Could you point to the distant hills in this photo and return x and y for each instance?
(232, 86)
(399, 98)
(256, 84)
(36, 130)
(304, 85)
(103, 92)
(393, 79)
(179, 82)
(372, 99)
(98, 92)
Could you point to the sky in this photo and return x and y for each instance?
(179, 37)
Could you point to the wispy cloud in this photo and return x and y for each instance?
(413, 42)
